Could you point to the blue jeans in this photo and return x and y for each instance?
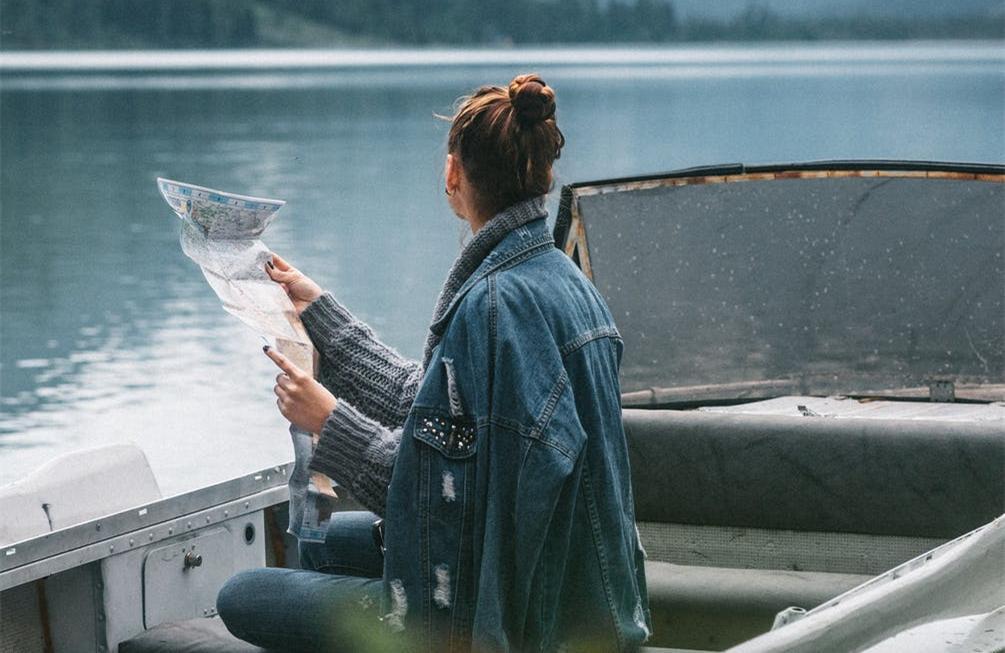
(331, 604)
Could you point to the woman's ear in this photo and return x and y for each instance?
(452, 174)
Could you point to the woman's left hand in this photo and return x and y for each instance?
(301, 399)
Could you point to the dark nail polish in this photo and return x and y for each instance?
(266, 348)
(269, 263)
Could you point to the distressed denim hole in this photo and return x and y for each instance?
(441, 595)
(449, 493)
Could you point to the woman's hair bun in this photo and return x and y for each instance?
(532, 99)
(507, 140)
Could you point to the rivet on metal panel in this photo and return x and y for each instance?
(188, 525)
(150, 536)
(111, 547)
(101, 617)
(226, 513)
(247, 504)
(170, 531)
(207, 519)
(131, 541)
(97, 526)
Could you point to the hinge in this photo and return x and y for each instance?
(942, 390)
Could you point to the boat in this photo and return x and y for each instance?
(813, 399)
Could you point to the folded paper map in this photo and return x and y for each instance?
(220, 231)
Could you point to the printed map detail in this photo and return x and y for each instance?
(220, 232)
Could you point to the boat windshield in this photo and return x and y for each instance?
(855, 279)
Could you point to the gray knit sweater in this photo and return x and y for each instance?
(374, 384)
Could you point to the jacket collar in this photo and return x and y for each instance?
(507, 236)
(518, 242)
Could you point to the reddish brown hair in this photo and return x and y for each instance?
(507, 140)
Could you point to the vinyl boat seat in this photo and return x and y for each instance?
(707, 600)
(211, 636)
(744, 515)
(712, 608)
(199, 635)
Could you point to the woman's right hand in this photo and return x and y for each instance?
(300, 288)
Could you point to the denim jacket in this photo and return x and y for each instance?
(509, 516)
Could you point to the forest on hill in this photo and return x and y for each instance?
(70, 24)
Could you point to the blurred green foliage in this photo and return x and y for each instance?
(65, 24)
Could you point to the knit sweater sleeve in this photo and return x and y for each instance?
(357, 453)
(372, 376)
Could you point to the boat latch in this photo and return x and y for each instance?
(181, 577)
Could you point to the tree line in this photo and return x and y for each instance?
(55, 24)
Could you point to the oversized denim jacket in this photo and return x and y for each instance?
(510, 517)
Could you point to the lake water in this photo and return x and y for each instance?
(108, 333)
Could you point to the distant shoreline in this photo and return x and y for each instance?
(706, 54)
(122, 24)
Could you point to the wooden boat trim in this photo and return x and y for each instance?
(567, 237)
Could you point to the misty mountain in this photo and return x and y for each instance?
(71, 24)
(725, 10)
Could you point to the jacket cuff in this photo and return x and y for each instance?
(324, 316)
(343, 443)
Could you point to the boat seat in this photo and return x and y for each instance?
(76, 487)
(191, 636)
(705, 483)
(704, 608)
(713, 608)
(883, 477)
(211, 636)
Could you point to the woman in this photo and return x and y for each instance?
(498, 463)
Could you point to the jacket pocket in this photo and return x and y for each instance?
(453, 436)
(445, 512)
